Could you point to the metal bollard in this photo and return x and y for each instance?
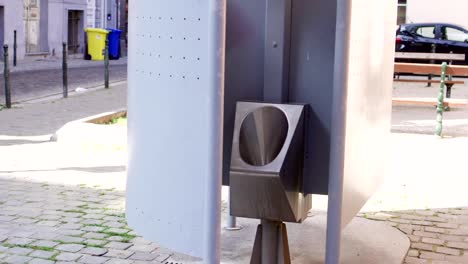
(65, 70)
(429, 77)
(15, 47)
(106, 65)
(6, 74)
(440, 101)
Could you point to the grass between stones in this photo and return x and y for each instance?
(54, 257)
(78, 243)
(28, 246)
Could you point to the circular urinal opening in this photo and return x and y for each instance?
(262, 135)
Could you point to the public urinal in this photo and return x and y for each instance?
(266, 173)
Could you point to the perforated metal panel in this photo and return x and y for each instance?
(174, 112)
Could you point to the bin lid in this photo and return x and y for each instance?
(113, 30)
(96, 30)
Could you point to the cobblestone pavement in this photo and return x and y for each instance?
(39, 83)
(438, 236)
(42, 222)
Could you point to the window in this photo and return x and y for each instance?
(401, 19)
(453, 34)
(426, 31)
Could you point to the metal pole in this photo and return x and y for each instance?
(15, 46)
(6, 74)
(337, 145)
(212, 198)
(440, 101)
(65, 70)
(106, 65)
(231, 223)
(429, 77)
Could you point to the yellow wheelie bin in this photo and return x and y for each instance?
(96, 42)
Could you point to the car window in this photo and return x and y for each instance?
(425, 31)
(453, 34)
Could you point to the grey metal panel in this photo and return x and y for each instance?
(245, 40)
(368, 102)
(311, 82)
(175, 79)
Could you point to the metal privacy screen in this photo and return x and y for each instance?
(175, 93)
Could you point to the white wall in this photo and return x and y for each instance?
(14, 21)
(448, 11)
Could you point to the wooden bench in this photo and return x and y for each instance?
(442, 70)
(447, 57)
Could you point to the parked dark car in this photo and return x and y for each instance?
(421, 37)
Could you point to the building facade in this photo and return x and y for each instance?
(10, 11)
(418, 11)
(43, 25)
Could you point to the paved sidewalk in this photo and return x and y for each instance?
(56, 63)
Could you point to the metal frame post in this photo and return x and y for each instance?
(6, 75)
(65, 70)
(338, 134)
(106, 65)
(15, 46)
(440, 101)
(231, 221)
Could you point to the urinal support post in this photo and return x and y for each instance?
(271, 244)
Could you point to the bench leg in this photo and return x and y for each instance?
(448, 93)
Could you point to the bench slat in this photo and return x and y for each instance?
(419, 68)
(427, 81)
(429, 101)
(430, 56)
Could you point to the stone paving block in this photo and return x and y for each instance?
(116, 238)
(19, 241)
(114, 224)
(70, 232)
(71, 220)
(49, 217)
(451, 238)
(435, 229)
(93, 216)
(14, 259)
(142, 248)
(96, 242)
(92, 228)
(3, 238)
(70, 239)
(94, 251)
(25, 220)
(458, 232)
(119, 261)
(92, 222)
(42, 254)
(161, 258)
(93, 235)
(447, 225)
(21, 233)
(457, 259)
(133, 233)
(460, 245)
(19, 251)
(433, 241)
(120, 230)
(422, 223)
(41, 261)
(431, 255)
(113, 218)
(116, 253)
(70, 247)
(75, 215)
(44, 243)
(87, 259)
(3, 249)
(48, 223)
(118, 245)
(143, 256)
(71, 226)
(448, 251)
(45, 235)
(422, 246)
(4, 218)
(413, 253)
(140, 240)
(65, 256)
(413, 260)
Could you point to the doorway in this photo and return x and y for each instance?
(75, 19)
(2, 30)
